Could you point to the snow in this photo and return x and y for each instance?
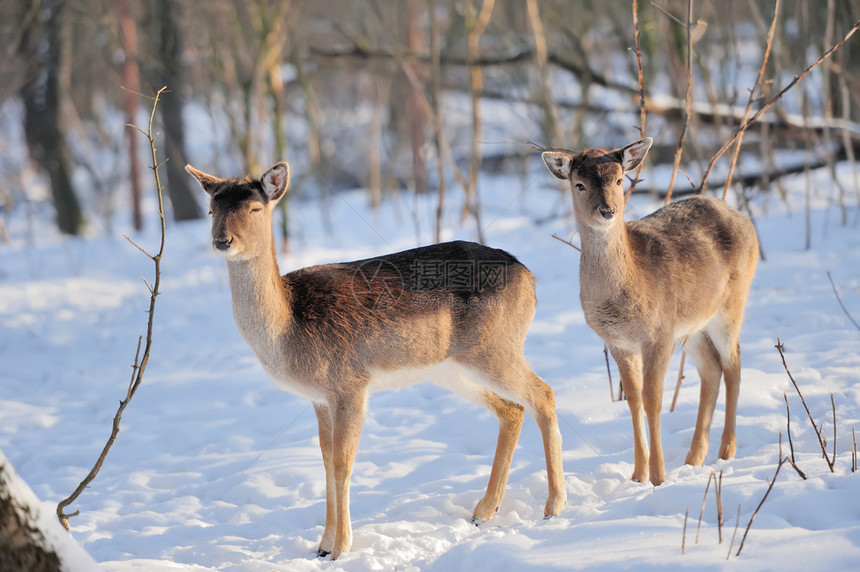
(217, 469)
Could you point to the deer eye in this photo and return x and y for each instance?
(620, 182)
(256, 209)
(580, 187)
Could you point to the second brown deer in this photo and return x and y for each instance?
(456, 314)
(681, 274)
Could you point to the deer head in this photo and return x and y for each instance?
(596, 178)
(241, 210)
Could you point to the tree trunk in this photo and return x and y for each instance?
(22, 546)
(42, 96)
(414, 109)
(131, 82)
(181, 193)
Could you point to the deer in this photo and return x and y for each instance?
(455, 314)
(678, 275)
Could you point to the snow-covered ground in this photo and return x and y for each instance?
(217, 469)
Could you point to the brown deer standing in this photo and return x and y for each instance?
(455, 314)
(679, 274)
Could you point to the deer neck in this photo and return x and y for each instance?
(606, 266)
(260, 299)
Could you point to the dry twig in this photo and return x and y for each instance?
(567, 242)
(752, 98)
(764, 498)
(684, 533)
(854, 452)
(608, 373)
(711, 477)
(718, 491)
(821, 440)
(140, 362)
(838, 299)
(641, 74)
(790, 444)
(772, 101)
(735, 533)
(688, 101)
(680, 377)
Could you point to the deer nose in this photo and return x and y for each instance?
(222, 244)
(607, 212)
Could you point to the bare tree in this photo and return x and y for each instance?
(46, 39)
(171, 73)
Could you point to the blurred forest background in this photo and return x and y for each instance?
(418, 95)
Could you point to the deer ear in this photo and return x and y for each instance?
(633, 155)
(276, 180)
(558, 163)
(208, 182)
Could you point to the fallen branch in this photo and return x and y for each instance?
(140, 362)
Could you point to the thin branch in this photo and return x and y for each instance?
(854, 457)
(735, 533)
(821, 441)
(641, 75)
(711, 477)
(788, 425)
(688, 101)
(790, 444)
(680, 377)
(764, 498)
(772, 101)
(718, 489)
(137, 246)
(608, 373)
(139, 366)
(684, 533)
(752, 97)
(833, 403)
(838, 299)
(567, 242)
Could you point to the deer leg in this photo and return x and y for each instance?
(518, 383)
(630, 368)
(704, 354)
(347, 419)
(543, 410)
(510, 422)
(326, 435)
(732, 370)
(655, 360)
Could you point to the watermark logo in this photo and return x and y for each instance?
(377, 284)
(457, 275)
